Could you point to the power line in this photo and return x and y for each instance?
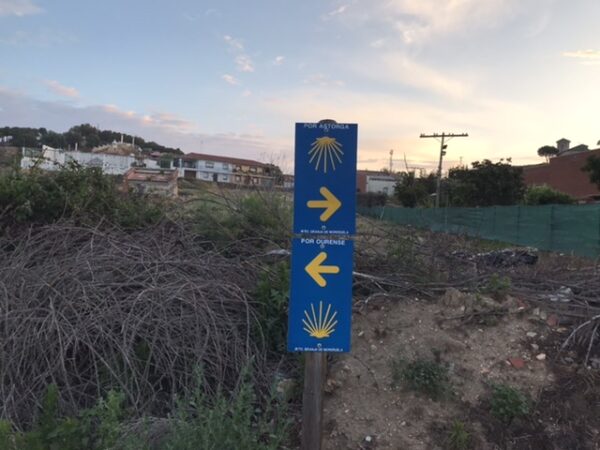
(444, 137)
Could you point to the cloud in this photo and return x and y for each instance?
(319, 79)
(377, 43)
(588, 54)
(162, 127)
(418, 22)
(244, 63)
(18, 8)
(247, 93)
(61, 89)
(336, 12)
(398, 68)
(230, 79)
(234, 44)
(278, 60)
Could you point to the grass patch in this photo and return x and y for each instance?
(459, 438)
(508, 403)
(423, 376)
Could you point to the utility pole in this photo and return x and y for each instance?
(443, 138)
(391, 160)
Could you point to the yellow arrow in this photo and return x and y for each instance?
(315, 269)
(331, 204)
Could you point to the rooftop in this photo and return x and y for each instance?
(225, 159)
(155, 175)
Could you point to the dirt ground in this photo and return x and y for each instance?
(364, 410)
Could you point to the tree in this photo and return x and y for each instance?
(412, 191)
(486, 184)
(547, 151)
(592, 167)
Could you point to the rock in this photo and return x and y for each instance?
(517, 363)
(332, 385)
(541, 357)
(535, 347)
(552, 320)
(285, 389)
(454, 298)
(531, 334)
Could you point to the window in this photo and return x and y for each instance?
(209, 164)
(225, 178)
(253, 169)
(238, 178)
(225, 166)
(205, 175)
(254, 180)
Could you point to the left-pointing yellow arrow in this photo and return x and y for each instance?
(331, 204)
(315, 269)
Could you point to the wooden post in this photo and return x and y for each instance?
(312, 400)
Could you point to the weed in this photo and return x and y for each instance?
(508, 403)
(459, 437)
(271, 296)
(497, 287)
(426, 377)
(226, 423)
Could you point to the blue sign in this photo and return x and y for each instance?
(320, 309)
(325, 179)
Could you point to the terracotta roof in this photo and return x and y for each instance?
(156, 175)
(225, 159)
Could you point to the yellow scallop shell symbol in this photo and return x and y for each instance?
(325, 151)
(319, 325)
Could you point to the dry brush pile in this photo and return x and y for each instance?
(94, 309)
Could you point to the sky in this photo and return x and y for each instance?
(231, 77)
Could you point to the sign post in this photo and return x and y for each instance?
(320, 310)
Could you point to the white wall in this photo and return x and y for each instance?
(381, 184)
(53, 159)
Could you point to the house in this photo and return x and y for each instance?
(374, 181)
(224, 169)
(563, 172)
(151, 181)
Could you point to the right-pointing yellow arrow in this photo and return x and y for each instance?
(315, 269)
(331, 204)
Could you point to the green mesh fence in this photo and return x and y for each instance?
(564, 228)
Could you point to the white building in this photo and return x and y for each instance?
(377, 182)
(49, 158)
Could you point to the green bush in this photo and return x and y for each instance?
(73, 192)
(508, 403)
(265, 216)
(97, 428)
(545, 195)
(426, 377)
(226, 423)
(271, 297)
(219, 422)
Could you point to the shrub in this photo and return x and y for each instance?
(370, 199)
(508, 403)
(545, 195)
(226, 423)
(73, 192)
(498, 287)
(458, 437)
(271, 297)
(426, 377)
